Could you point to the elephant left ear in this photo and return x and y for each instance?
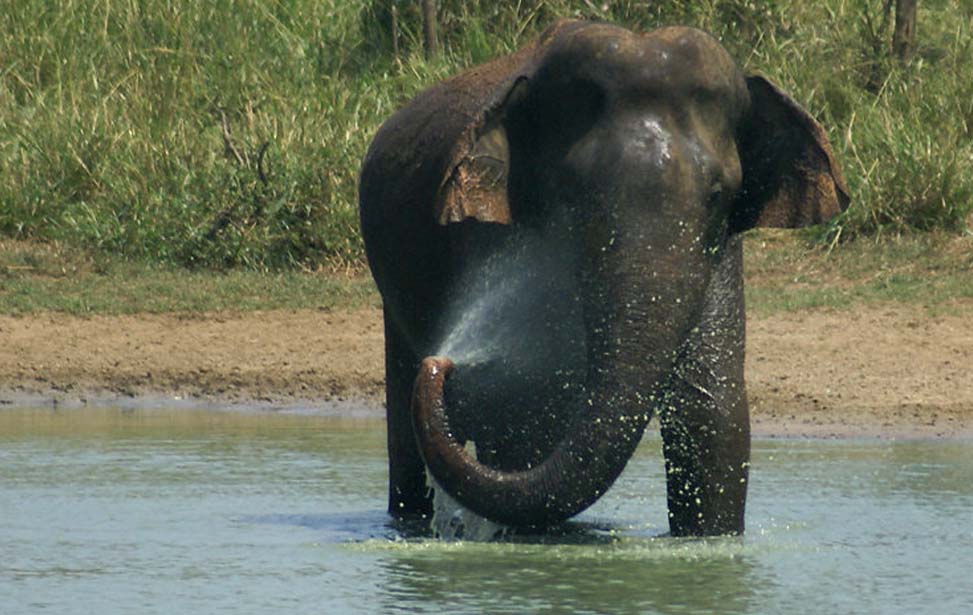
(475, 186)
(790, 177)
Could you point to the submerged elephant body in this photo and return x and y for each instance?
(573, 211)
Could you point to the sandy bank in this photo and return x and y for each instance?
(886, 371)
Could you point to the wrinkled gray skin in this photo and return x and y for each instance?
(614, 171)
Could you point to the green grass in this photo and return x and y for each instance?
(214, 135)
(136, 290)
(788, 272)
(49, 278)
(227, 136)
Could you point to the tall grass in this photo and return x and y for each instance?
(229, 134)
(217, 134)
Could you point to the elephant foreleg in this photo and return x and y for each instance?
(707, 452)
(704, 415)
(409, 494)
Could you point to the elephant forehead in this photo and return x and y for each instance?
(668, 59)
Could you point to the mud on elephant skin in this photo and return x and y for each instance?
(573, 211)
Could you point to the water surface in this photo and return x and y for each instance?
(173, 511)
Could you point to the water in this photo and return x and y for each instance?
(511, 296)
(177, 511)
(467, 340)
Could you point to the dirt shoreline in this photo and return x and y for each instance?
(887, 371)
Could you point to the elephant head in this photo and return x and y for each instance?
(648, 152)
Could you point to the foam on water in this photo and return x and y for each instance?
(452, 521)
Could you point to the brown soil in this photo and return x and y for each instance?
(875, 371)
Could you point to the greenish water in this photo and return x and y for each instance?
(178, 511)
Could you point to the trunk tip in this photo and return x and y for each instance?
(436, 365)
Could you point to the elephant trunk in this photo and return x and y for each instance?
(632, 336)
(595, 450)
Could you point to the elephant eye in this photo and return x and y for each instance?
(715, 193)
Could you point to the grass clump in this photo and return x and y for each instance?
(229, 135)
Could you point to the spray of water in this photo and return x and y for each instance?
(505, 299)
(477, 330)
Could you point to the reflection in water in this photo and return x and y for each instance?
(181, 511)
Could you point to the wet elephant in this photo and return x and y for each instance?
(595, 183)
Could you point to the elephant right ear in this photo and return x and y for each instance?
(475, 185)
(790, 176)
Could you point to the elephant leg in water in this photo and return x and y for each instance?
(704, 415)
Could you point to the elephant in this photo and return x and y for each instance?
(574, 212)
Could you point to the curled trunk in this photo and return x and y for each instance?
(580, 469)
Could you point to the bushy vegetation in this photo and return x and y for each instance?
(229, 134)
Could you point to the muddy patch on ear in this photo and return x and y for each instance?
(477, 186)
